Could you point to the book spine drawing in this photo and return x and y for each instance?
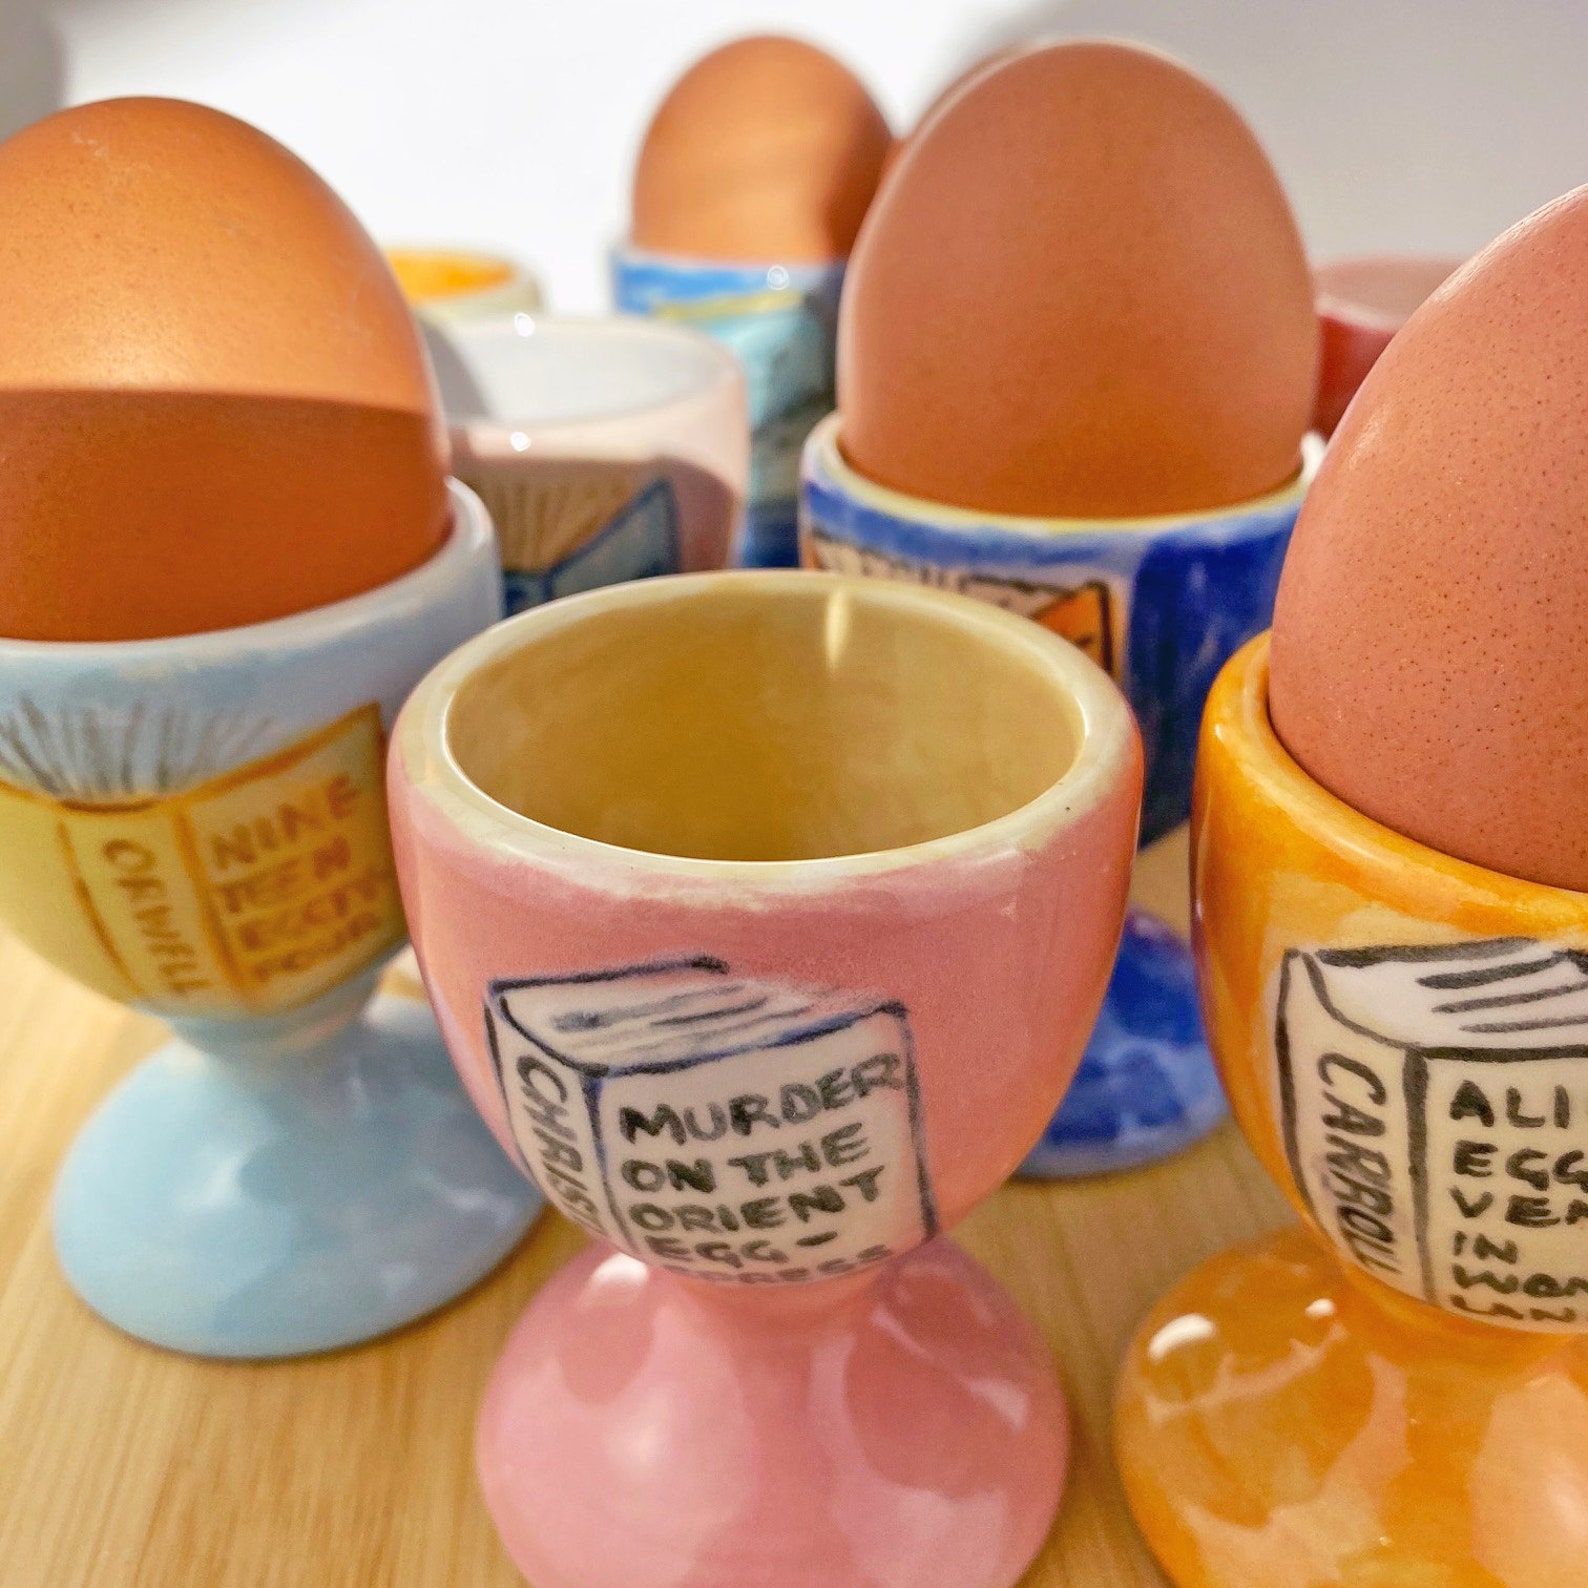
(729, 1128)
(1435, 1112)
(253, 889)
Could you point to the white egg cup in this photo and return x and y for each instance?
(196, 826)
(604, 449)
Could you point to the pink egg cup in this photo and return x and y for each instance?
(766, 915)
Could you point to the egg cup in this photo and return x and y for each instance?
(196, 826)
(1160, 604)
(765, 915)
(451, 284)
(603, 449)
(1395, 1392)
(781, 321)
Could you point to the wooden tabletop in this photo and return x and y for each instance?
(122, 1466)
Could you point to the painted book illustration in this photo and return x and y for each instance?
(731, 1128)
(1435, 1110)
(167, 865)
(1081, 611)
(574, 527)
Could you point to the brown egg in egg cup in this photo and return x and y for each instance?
(1396, 1392)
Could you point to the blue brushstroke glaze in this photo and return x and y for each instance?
(1146, 1086)
(780, 321)
(1187, 598)
(272, 1204)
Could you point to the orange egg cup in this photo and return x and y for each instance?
(1394, 1395)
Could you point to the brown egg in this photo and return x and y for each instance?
(1430, 651)
(1081, 292)
(942, 96)
(214, 405)
(767, 148)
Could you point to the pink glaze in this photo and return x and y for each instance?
(912, 1438)
(711, 1421)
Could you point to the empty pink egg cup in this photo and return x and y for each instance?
(766, 915)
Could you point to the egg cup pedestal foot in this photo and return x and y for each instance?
(197, 826)
(781, 321)
(910, 1432)
(1280, 1423)
(1146, 1086)
(1397, 1391)
(768, 1030)
(1160, 604)
(275, 1202)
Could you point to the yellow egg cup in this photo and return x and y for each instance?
(452, 284)
(1394, 1395)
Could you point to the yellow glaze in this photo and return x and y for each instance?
(1392, 1395)
(424, 274)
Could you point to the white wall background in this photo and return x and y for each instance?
(1395, 123)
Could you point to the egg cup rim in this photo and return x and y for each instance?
(470, 534)
(1107, 750)
(489, 439)
(826, 461)
(1387, 866)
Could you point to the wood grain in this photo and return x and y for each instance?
(122, 1466)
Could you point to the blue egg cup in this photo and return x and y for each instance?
(266, 1203)
(197, 826)
(1161, 604)
(781, 322)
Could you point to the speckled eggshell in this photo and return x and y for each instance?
(1362, 303)
(1430, 650)
(1080, 292)
(765, 149)
(214, 405)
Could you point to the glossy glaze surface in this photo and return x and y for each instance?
(1146, 1086)
(260, 1206)
(1446, 989)
(1392, 1393)
(913, 1437)
(450, 283)
(768, 976)
(779, 319)
(1159, 603)
(1277, 1424)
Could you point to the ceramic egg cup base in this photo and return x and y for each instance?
(1146, 1087)
(269, 1204)
(1282, 1423)
(637, 1430)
